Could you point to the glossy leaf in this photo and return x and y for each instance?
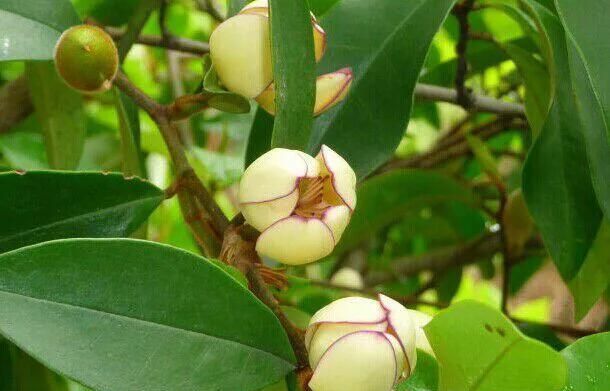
(556, 178)
(129, 128)
(60, 111)
(294, 75)
(588, 363)
(30, 29)
(586, 27)
(386, 58)
(425, 377)
(126, 314)
(593, 278)
(537, 85)
(386, 198)
(479, 349)
(107, 12)
(46, 205)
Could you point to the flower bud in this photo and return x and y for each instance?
(240, 49)
(331, 88)
(348, 278)
(518, 223)
(421, 341)
(300, 204)
(360, 344)
(86, 58)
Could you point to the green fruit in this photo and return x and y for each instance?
(87, 58)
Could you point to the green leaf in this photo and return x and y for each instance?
(129, 128)
(61, 114)
(319, 7)
(46, 205)
(107, 12)
(30, 29)
(537, 85)
(234, 6)
(219, 98)
(386, 198)
(556, 178)
(386, 57)
(586, 27)
(30, 375)
(123, 314)
(425, 377)
(593, 278)
(24, 150)
(137, 20)
(479, 349)
(588, 363)
(483, 155)
(294, 75)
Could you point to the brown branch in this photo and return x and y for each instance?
(479, 102)
(240, 252)
(210, 7)
(575, 332)
(173, 43)
(15, 103)
(454, 146)
(461, 11)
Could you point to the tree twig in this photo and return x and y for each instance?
(461, 11)
(210, 7)
(180, 44)
(15, 103)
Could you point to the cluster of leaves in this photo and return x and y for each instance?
(115, 313)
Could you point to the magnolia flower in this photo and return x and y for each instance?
(348, 278)
(240, 49)
(300, 204)
(421, 341)
(360, 344)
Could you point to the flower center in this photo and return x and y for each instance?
(315, 196)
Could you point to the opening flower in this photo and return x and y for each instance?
(360, 344)
(240, 49)
(300, 204)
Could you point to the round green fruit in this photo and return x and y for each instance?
(86, 58)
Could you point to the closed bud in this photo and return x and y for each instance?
(348, 278)
(331, 88)
(421, 341)
(300, 204)
(517, 222)
(360, 344)
(86, 58)
(240, 49)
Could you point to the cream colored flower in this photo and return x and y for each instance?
(348, 278)
(421, 320)
(360, 344)
(300, 204)
(240, 49)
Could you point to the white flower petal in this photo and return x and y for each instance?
(296, 241)
(347, 310)
(261, 215)
(259, 7)
(273, 175)
(331, 89)
(240, 49)
(421, 320)
(402, 324)
(362, 361)
(327, 333)
(343, 176)
(337, 218)
(399, 356)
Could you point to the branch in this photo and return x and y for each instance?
(210, 7)
(461, 11)
(15, 103)
(453, 146)
(479, 102)
(173, 43)
(240, 252)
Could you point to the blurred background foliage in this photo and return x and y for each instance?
(441, 207)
